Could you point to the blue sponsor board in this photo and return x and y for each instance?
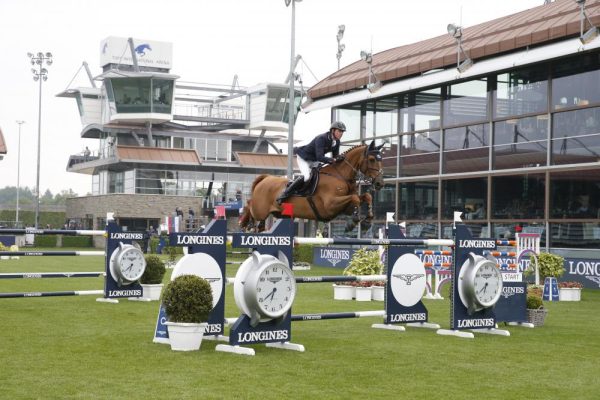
(337, 257)
(584, 270)
(230, 205)
(512, 305)
(7, 240)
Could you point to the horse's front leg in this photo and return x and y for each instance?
(367, 198)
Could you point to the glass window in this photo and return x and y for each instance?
(466, 102)
(384, 201)
(576, 136)
(518, 196)
(466, 195)
(466, 149)
(350, 116)
(418, 200)
(132, 95)
(162, 95)
(520, 143)
(421, 110)
(575, 235)
(390, 157)
(575, 194)
(576, 81)
(420, 154)
(277, 104)
(115, 182)
(521, 92)
(507, 230)
(386, 116)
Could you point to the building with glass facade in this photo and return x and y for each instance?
(513, 141)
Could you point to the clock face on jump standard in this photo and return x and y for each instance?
(274, 289)
(487, 283)
(132, 264)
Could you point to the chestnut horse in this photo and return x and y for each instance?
(336, 192)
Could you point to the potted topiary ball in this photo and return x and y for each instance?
(187, 301)
(152, 278)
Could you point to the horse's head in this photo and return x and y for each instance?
(371, 164)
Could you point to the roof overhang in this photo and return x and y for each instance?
(74, 92)
(479, 68)
(133, 74)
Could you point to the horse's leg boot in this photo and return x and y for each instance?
(290, 189)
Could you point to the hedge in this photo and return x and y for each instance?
(303, 253)
(77, 241)
(45, 241)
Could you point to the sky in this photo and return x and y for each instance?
(212, 42)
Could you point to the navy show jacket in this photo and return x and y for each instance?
(316, 149)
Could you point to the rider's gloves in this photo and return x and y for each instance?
(339, 158)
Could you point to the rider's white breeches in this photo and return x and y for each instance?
(304, 167)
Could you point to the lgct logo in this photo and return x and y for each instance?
(141, 49)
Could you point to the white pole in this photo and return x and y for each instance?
(18, 173)
(291, 100)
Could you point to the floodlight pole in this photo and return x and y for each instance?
(18, 174)
(40, 75)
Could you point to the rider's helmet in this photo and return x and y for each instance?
(338, 125)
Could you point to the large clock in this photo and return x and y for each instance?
(479, 283)
(264, 287)
(127, 264)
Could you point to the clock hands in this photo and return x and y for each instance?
(484, 288)
(271, 294)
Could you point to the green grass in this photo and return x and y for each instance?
(76, 348)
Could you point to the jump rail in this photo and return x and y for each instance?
(378, 242)
(70, 232)
(40, 275)
(52, 294)
(52, 253)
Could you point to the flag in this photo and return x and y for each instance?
(219, 211)
(287, 209)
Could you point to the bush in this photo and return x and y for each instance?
(534, 302)
(77, 241)
(45, 241)
(154, 244)
(188, 298)
(303, 253)
(364, 262)
(549, 265)
(155, 271)
(172, 252)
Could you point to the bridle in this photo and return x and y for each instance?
(361, 172)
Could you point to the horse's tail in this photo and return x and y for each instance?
(258, 180)
(246, 217)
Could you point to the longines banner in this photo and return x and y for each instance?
(582, 270)
(332, 256)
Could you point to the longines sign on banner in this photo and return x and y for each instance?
(586, 271)
(332, 256)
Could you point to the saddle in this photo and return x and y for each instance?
(309, 188)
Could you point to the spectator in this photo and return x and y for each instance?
(86, 154)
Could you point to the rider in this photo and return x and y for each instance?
(315, 151)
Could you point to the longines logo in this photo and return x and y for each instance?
(265, 241)
(408, 278)
(193, 239)
(470, 243)
(127, 235)
(511, 291)
(335, 256)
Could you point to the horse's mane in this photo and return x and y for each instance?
(353, 148)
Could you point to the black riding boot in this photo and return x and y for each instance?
(296, 184)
